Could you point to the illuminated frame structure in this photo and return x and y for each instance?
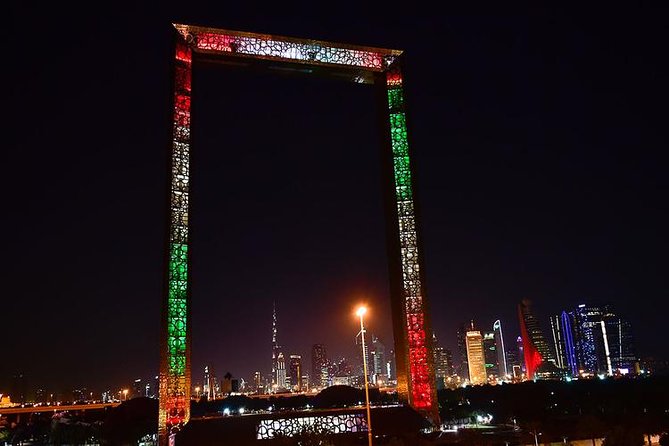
(375, 66)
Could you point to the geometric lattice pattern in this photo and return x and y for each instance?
(328, 424)
(175, 358)
(422, 385)
(286, 49)
(357, 64)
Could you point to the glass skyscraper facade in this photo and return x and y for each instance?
(593, 340)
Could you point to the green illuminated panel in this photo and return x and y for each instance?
(177, 308)
(395, 99)
(398, 135)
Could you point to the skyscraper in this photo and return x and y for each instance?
(378, 361)
(209, 383)
(501, 350)
(567, 329)
(463, 370)
(558, 341)
(257, 382)
(475, 357)
(281, 371)
(278, 377)
(295, 373)
(490, 353)
(621, 344)
(319, 366)
(587, 323)
(440, 362)
(535, 347)
(593, 339)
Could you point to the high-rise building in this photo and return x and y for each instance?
(490, 353)
(558, 341)
(281, 371)
(258, 383)
(501, 350)
(209, 387)
(621, 344)
(226, 384)
(390, 365)
(278, 376)
(475, 356)
(594, 340)
(587, 322)
(569, 344)
(536, 349)
(378, 361)
(138, 389)
(440, 363)
(295, 373)
(463, 369)
(319, 366)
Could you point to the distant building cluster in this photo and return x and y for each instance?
(583, 342)
(587, 341)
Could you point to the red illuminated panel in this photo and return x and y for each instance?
(532, 356)
(421, 386)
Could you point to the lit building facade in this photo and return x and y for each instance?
(558, 341)
(490, 354)
(587, 323)
(501, 349)
(280, 372)
(319, 366)
(295, 373)
(278, 375)
(476, 357)
(440, 363)
(463, 369)
(378, 361)
(535, 347)
(594, 340)
(569, 344)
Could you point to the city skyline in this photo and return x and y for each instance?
(94, 241)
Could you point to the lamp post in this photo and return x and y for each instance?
(361, 312)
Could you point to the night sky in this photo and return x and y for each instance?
(539, 141)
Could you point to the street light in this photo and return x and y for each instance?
(361, 312)
(125, 394)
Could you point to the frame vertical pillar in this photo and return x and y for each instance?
(411, 325)
(175, 376)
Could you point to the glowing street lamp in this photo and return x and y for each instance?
(361, 312)
(125, 394)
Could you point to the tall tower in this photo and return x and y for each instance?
(586, 323)
(558, 341)
(567, 326)
(490, 353)
(463, 371)
(501, 352)
(276, 354)
(319, 366)
(535, 347)
(378, 360)
(295, 373)
(476, 357)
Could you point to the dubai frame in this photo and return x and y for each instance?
(378, 67)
